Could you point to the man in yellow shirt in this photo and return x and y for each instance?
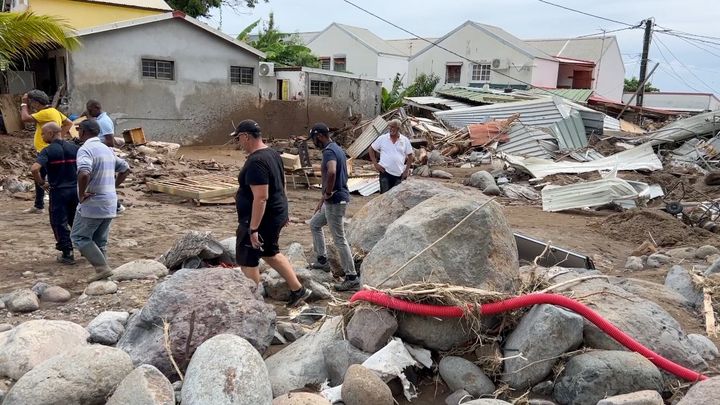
(37, 102)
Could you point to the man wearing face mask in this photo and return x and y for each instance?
(331, 207)
(262, 209)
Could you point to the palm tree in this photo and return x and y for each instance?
(29, 35)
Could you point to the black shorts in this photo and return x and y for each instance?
(245, 254)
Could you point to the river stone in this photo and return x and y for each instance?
(102, 287)
(300, 398)
(33, 342)
(339, 356)
(140, 269)
(679, 280)
(635, 398)
(714, 268)
(655, 292)
(370, 329)
(40, 287)
(222, 301)
(489, 262)
(55, 294)
(145, 385)
(4, 327)
(86, 375)
(458, 397)
(657, 260)
(370, 222)
(441, 174)
(296, 255)
(484, 181)
(302, 362)
(558, 330)
(459, 373)
(590, 377)
(22, 301)
(107, 327)
(362, 386)
(229, 245)
(704, 346)
(226, 370)
(433, 333)
(704, 392)
(704, 251)
(682, 253)
(487, 401)
(634, 263)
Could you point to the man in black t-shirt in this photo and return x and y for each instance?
(262, 210)
(58, 160)
(331, 207)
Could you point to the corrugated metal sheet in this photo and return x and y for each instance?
(430, 101)
(610, 123)
(577, 95)
(590, 194)
(687, 128)
(364, 185)
(529, 141)
(369, 135)
(570, 132)
(541, 112)
(587, 155)
(476, 95)
(638, 158)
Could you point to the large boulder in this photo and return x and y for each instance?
(590, 377)
(535, 345)
(370, 222)
(704, 392)
(303, 362)
(226, 370)
(218, 300)
(140, 269)
(86, 376)
(32, 342)
(145, 385)
(479, 253)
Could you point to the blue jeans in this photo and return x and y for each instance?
(332, 215)
(90, 236)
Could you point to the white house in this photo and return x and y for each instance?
(345, 48)
(592, 63)
(411, 46)
(679, 102)
(476, 54)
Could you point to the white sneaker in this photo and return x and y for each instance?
(34, 210)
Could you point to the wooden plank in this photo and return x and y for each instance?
(10, 113)
(197, 187)
(710, 326)
(291, 162)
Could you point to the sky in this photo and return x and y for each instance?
(685, 65)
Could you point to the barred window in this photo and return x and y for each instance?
(242, 75)
(318, 88)
(324, 63)
(158, 69)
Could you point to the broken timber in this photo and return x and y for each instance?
(197, 187)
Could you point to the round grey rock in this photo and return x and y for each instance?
(102, 287)
(145, 385)
(33, 342)
(226, 370)
(87, 375)
(705, 347)
(107, 327)
(362, 386)
(704, 251)
(634, 263)
(22, 301)
(657, 260)
(139, 270)
(704, 392)
(55, 294)
(441, 174)
(682, 253)
(39, 287)
(459, 373)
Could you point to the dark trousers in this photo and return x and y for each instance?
(40, 192)
(388, 181)
(63, 203)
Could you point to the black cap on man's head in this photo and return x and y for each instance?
(247, 126)
(319, 129)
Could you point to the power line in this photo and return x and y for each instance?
(684, 66)
(694, 44)
(674, 72)
(585, 13)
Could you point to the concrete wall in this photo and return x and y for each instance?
(475, 45)
(83, 14)
(197, 107)
(391, 65)
(332, 42)
(545, 73)
(678, 101)
(350, 96)
(609, 78)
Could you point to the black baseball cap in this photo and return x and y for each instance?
(248, 126)
(319, 128)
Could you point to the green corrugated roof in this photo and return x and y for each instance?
(576, 95)
(477, 96)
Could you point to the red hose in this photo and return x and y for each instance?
(382, 299)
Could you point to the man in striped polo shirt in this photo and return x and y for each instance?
(96, 168)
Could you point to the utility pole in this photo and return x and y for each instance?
(644, 62)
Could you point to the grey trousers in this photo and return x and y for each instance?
(332, 215)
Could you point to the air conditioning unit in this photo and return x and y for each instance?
(267, 69)
(499, 64)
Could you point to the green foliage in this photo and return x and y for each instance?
(424, 85)
(202, 8)
(632, 85)
(243, 36)
(28, 35)
(283, 49)
(393, 98)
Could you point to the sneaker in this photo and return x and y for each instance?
(100, 275)
(120, 209)
(348, 285)
(319, 265)
(66, 258)
(296, 297)
(34, 210)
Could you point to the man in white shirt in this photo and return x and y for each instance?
(396, 156)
